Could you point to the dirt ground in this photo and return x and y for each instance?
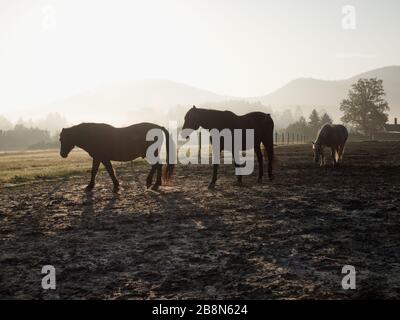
(286, 239)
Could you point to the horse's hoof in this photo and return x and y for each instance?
(259, 180)
(89, 188)
(211, 186)
(116, 189)
(155, 187)
(271, 177)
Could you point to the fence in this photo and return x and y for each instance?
(282, 138)
(285, 138)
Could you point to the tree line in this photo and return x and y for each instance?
(22, 137)
(310, 127)
(364, 111)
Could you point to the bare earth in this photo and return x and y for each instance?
(286, 239)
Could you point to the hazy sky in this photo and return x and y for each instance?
(52, 49)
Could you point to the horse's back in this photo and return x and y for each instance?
(104, 141)
(256, 120)
(332, 135)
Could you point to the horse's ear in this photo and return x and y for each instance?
(313, 142)
(194, 107)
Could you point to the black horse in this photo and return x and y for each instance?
(260, 122)
(105, 143)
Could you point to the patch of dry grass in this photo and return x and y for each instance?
(22, 167)
(30, 166)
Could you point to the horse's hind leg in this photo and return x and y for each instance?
(258, 152)
(95, 169)
(149, 179)
(333, 154)
(269, 150)
(159, 173)
(111, 172)
(239, 176)
(214, 177)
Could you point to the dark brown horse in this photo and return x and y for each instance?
(331, 136)
(260, 122)
(105, 143)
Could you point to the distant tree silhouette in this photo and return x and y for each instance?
(310, 128)
(365, 108)
(299, 126)
(22, 137)
(5, 124)
(314, 120)
(326, 119)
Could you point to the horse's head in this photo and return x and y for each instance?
(67, 143)
(191, 119)
(317, 149)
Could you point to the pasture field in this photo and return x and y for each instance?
(286, 239)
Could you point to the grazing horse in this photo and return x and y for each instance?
(105, 143)
(260, 122)
(334, 137)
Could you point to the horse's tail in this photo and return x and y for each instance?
(169, 168)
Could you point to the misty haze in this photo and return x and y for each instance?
(84, 214)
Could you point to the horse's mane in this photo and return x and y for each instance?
(203, 110)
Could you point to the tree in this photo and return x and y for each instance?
(314, 120)
(299, 126)
(365, 107)
(326, 119)
(5, 124)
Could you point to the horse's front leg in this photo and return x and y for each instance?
(95, 169)
(214, 177)
(158, 179)
(149, 179)
(110, 170)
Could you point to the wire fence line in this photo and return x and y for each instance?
(281, 138)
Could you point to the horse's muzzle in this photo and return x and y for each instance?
(63, 155)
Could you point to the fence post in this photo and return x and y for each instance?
(283, 138)
(276, 137)
(288, 138)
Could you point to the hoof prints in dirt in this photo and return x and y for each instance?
(288, 238)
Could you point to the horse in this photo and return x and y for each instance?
(105, 143)
(260, 122)
(334, 137)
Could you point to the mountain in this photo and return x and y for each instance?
(158, 101)
(310, 92)
(124, 102)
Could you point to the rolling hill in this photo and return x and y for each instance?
(123, 102)
(329, 94)
(158, 100)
